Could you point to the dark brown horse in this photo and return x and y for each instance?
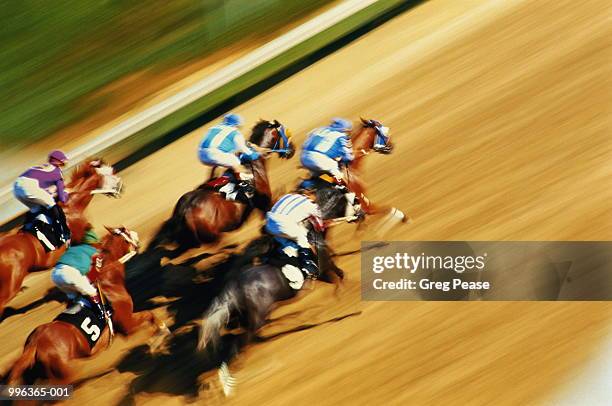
(202, 215)
(21, 252)
(51, 349)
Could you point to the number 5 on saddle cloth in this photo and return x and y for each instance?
(85, 319)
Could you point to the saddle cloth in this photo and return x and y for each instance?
(85, 320)
(39, 225)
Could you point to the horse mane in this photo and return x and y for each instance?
(84, 169)
(260, 128)
(363, 125)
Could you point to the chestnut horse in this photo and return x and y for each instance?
(52, 348)
(367, 137)
(202, 215)
(21, 252)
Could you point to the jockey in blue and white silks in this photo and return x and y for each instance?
(222, 144)
(323, 152)
(287, 218)
(327, 147)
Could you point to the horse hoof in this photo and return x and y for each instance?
(398, 215)
(228, 382)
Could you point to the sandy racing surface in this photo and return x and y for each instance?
(499, 111)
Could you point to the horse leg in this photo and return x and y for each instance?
(257, 312)
(123, 310)
(11, 280)
(126, 319)
(129, 322)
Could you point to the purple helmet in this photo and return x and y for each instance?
(341, 124)
(232, 119)
(58, 156)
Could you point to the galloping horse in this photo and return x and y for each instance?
(21, 252)
(51, 349)
(251, 293)
(332, 202)
(200, 216)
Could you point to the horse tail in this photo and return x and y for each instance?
(218, 315)
(25, 362)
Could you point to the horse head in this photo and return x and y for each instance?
(89, 178)
(372, 135)
(121, 244)
(273, 136)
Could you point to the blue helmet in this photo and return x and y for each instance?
(232, 119)
(341, 124)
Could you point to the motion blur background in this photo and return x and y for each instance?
(500, 113)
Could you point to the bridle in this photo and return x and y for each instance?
(283, 135)
(131, 237)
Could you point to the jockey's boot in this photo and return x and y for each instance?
(59, 223)
(97, 303)
(308, 263)
(30, 218)
(245, 190)
(340, 185)
(353, 207)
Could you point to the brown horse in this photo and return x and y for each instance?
(202, 215)
(364, 140)
(52, 348)
(367, 137)
(21, 252)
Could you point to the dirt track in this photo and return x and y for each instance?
(500, 115)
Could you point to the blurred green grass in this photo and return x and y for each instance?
(53, 54)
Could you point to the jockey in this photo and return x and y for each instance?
(287, 220)
(328, 147)
(41, 187)
(70, 273)
(220, 147)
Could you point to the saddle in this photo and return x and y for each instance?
(218, 183)
(83, 316)
(230, 188)
(41, 227)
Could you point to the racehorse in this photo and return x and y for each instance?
(52, 348)
(331, 201)
(252, 292)
(202, 215)
(21, 252)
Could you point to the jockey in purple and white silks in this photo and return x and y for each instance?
(224, 145)
(287, 219)
(41, 187)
